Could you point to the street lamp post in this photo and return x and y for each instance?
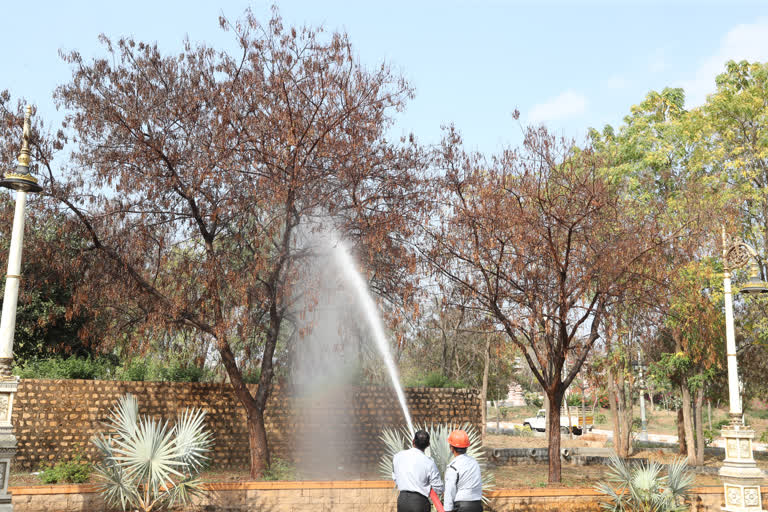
(22, 182)
(740, 475)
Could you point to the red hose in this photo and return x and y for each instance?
(436, 501)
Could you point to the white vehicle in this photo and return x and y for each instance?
(577, 422)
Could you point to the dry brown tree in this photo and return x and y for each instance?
(543, 243)
(193, 174)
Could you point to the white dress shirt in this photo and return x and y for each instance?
(415, 472)
(462, 481)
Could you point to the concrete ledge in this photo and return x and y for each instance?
(350, 496)
(336, 484)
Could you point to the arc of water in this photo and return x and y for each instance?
(353, 277)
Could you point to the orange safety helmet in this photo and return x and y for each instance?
(458, 439)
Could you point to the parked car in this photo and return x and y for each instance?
(578, 422)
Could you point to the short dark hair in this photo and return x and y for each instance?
(460, 451)
(421, 440)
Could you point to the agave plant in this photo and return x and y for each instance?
(148, 464)
(396, 440)
(643, 488)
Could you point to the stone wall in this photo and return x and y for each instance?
(54, 419)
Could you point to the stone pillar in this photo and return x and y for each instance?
(8, 387)
(740, 475)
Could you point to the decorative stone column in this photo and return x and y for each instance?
(8, 388)
(740, 475)
(22, 182)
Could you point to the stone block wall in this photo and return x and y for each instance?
(55, 419)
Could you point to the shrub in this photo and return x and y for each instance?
(764, 437)
(435, 380)
(720, 424)
(533, 400)
(148, 463)
(522, 431)
(66, 368)
(135, 370)
(574, 399)
(178, 372)
(150, 369)
(74, 471)
(643, 488)
(280, 470)
(600, 419)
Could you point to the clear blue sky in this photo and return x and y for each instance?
(472, 63)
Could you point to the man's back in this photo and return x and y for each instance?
(413, 471)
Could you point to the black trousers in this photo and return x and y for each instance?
(409, 501)
(468, 506)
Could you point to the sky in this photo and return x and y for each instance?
(569, 65)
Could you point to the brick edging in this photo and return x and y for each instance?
(338, 484)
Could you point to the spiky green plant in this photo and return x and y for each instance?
(643, 488)
(396, 440)
(148, 464)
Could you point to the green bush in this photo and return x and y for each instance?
(178, 372)
(522, 431)
(764, 437)
(643, 487)
(533, 400)
(74, 471)
(574, 399)
(720, 424)
(600, 419)
(149, 369)
(135, 370)
(435, 380)
(66, 368)
(280, 470)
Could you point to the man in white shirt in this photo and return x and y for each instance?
(463, 483)
(415, 474)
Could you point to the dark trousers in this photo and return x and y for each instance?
(468, 506)
(412, 502)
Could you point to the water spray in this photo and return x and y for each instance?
(353, 277)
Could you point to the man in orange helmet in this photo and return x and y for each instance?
(463, 483)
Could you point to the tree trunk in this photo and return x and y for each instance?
(484, 391)
(257, 443)
(697, 407)
(613, 406)
(650, 395)
(681, 432)
(625, 419)
(554, 403)
(688, 424)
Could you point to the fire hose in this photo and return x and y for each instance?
(436, 501)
